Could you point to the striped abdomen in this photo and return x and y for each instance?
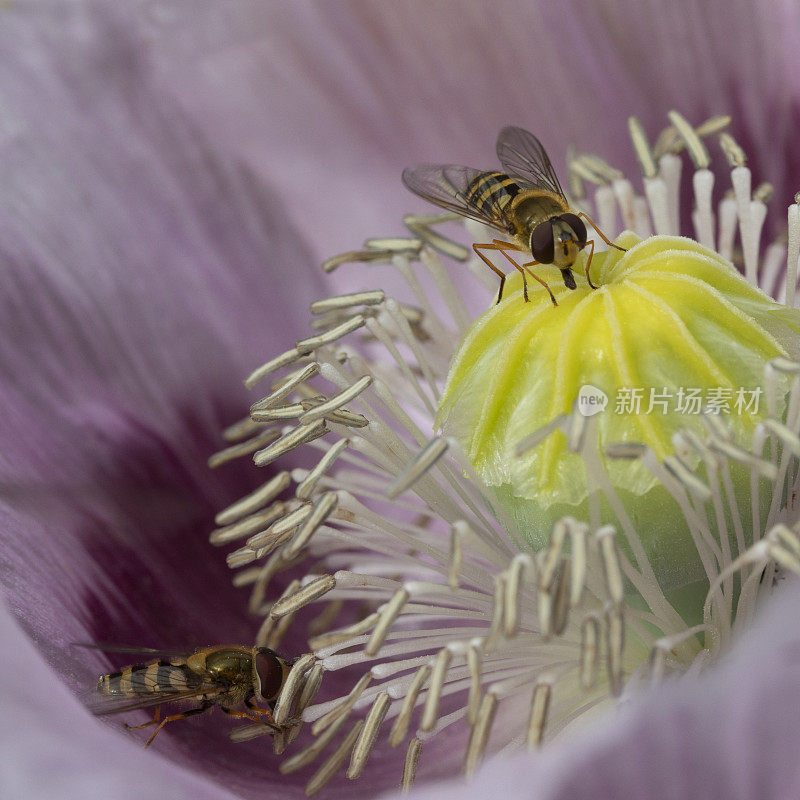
(491, 191)
(158, 676)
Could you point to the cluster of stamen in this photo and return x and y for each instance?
(451, 617)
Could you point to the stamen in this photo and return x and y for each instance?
(540, 705)
(369, 256)
(332, 335)
(292, 411)
(410, 765)
(735, 155)
(332, 764)
(388, 614)
(265, 541)
(578, 534)
(424, 461)
(291, 686)
(309, 753)
(400, 727)
(370, 298)
(420, 225)
(308, 594)
(641, 148)
(695, 147)
(431, 711)
(307, 486)
(335, 402)
(243, 449)
(246, 526)
(285, 387)
(456, 556)
(299, 435)
(240, 430)
(474, 665)
(323, 507)
(283, 360)
(448, 291)
(590, 650)
(615, 645)
(670, 168)
(343, 708)
(369, 733)
(326, 640)
(479, 736)
(270, 624)
(611, 569)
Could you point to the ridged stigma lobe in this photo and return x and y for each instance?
(668, 315)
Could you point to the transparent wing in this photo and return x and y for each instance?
(523, 156)
(100, 704)
(106, 647)
(447, 185)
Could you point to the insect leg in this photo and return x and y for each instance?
(501, 246)
(182, 715)
(602, 236)
(262, 712)
(154, 721)
(537, 278)
(589, 264)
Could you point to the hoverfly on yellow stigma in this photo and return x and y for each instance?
(233, 677)
(525, 203)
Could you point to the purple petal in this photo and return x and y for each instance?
(142, 279)
(731, 734)
(51, 748)
(348, 94)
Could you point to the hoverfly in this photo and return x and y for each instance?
(526, 203)
(229, 676)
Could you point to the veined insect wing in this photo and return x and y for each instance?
(448, 186)
(150, 652)
(102, 704)
(523, 156)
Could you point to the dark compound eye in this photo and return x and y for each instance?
(576, 223)
(542, 246)
(270, 673)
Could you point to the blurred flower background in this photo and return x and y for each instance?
(172, 174)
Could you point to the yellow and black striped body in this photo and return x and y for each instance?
(491, 192)
(157, 677)
(516, 209)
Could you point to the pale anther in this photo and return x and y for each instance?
(332, 335)
(424, 460)
(400, 727)
(431, 711)
(369, 733)
(345, 396)
(369, 298)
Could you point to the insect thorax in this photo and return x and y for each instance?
(531, 208)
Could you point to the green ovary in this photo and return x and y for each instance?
(669, 316)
